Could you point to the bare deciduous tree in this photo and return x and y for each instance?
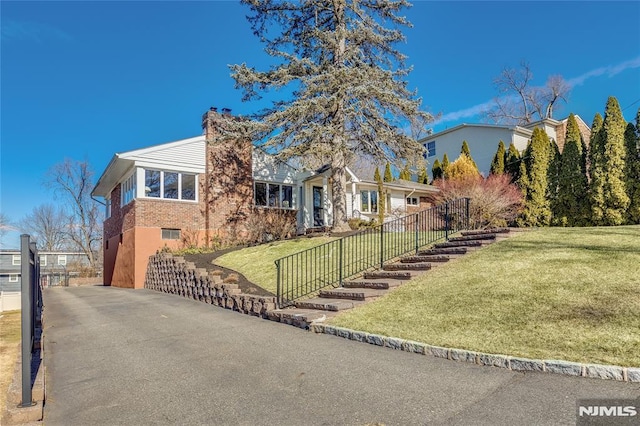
(5, 225)
(48, 225)
(72, 182)
(520, 102)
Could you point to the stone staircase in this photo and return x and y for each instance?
(373, 284)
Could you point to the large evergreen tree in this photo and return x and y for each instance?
(553, 174)
(533, 181)
(596, 197)
(609, 196)
(632, 171)
(423, 176)
(512, 162)
(497, 164)
(570, 206)
(445, 166)
(328, 55)
(436, 170)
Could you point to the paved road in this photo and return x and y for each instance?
(138, 357)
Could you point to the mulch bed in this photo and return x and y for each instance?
(205, 260)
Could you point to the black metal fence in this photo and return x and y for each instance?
(31, 305)
(305, 273)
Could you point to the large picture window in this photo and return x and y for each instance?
(273, 195)
(128, 190)
(169, 185)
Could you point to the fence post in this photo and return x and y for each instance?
(278, 289)
(340, 274)
(417, 233)
(468, 201)
(381, 245)
(446, 221)
(27, 318)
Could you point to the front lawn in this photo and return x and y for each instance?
(552, 293)
(257, 263)
(9, 351)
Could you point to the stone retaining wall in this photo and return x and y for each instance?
(174, 275)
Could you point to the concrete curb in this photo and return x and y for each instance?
(567, 368)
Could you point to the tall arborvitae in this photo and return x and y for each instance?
(466, 151)
(388, 176)
(436, 170)
(553, 174)
(611, 207)
(497, 165)
(376, 175)
(445, 166)
(423, 176)
(596, 197)
(632, 172)
(405, 173)
(512, 162)
(570, 206)
(536, 211)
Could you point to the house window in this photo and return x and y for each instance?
(16, 260)
(13, 278)
(273, 195)
(169, 185)
(369, 201)
(170, 234)
(62, 259)
(412, 201)
(128, 191)
(431, 149)
(107, 212)
(43, 260)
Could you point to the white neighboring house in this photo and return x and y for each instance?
(483, 139)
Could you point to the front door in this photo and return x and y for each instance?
(318, 209)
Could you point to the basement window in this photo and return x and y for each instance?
(170, 234)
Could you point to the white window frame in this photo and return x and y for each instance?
(430, 152)
(62, 259)
(13, 278)
(16, 260)
(107, 207)
(128, 189)
(43, 260)
(369, 208)
(411, 199)
(280, 198)
(161, 190)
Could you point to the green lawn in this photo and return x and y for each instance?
(256, 263)
(552, 293)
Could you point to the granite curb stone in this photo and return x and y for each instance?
(567, 368)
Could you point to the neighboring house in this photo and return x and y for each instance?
(201, 188)
(55, 267)
(483, 139)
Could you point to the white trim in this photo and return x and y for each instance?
(13, 278)
(62, 259)
(16, 260)
(43, 260)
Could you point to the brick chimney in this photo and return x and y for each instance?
(228, 185)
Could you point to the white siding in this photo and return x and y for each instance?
(267, 169)
(187, 155)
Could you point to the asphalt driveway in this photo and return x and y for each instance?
(138, 357)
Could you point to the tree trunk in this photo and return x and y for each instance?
(338, 185)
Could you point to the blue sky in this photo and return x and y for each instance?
(85, 80)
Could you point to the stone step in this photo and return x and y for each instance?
(474, 237)
(465, 244)
(324, 304)
(398, 275)
(424, 258)
(455, 251)
(295, 314)
(380, 285)
(486, 231)
(407, 266)
(352, 293)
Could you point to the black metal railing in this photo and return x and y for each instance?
(305, 273)
(31, 305)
